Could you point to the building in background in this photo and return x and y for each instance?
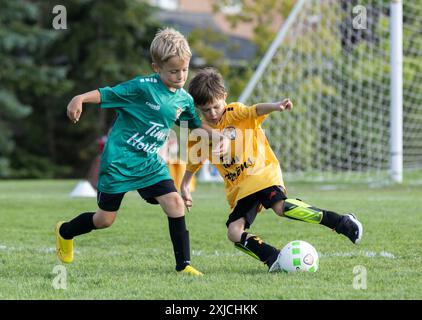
(188, 15)
(204, 8)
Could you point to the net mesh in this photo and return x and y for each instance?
(334, 64)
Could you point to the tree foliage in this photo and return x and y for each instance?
(21, 40)
(105, 42)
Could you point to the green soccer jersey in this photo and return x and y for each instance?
(146, 111)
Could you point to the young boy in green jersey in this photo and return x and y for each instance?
(147, 108)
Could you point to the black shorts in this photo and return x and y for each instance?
(112, 201)
(248, 207)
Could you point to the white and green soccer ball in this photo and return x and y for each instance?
(298, 255)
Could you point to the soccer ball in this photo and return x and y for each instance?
(298, 255)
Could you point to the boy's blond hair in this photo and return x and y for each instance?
(169, 43)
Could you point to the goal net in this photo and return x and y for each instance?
(333, 62)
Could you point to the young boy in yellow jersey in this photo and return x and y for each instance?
(252, 173)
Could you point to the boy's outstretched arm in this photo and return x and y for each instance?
(184, 189)
(74, 108)
(265, 108)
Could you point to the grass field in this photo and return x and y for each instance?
(133, 259)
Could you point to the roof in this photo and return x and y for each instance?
(237, 50)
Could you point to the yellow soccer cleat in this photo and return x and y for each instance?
(191, 271)
(64, 248)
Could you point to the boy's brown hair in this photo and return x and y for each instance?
(169, 43)
(207, 86)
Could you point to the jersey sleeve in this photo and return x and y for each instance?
(190, 116)
(122, 95)
(195, 161)
(239, 112)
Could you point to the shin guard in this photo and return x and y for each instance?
(299, 210)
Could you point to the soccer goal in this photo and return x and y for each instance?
(353, 70)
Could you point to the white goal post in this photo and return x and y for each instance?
(357, 98)
(396, 89)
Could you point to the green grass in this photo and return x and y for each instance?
(133, 259)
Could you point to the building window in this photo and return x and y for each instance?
(232, 7)
(166, 4)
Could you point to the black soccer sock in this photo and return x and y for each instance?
(83, 223)
(330, 219)
(259, 248)
(180, 239)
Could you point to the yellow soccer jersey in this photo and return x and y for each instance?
(251, 165)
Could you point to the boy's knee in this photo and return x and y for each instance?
(174, 206)
(279, 208)
(178, 204)
(104, 219)
(233, 234)
(108, 223)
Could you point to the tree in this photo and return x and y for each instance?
(20, 40)
(106, 42)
